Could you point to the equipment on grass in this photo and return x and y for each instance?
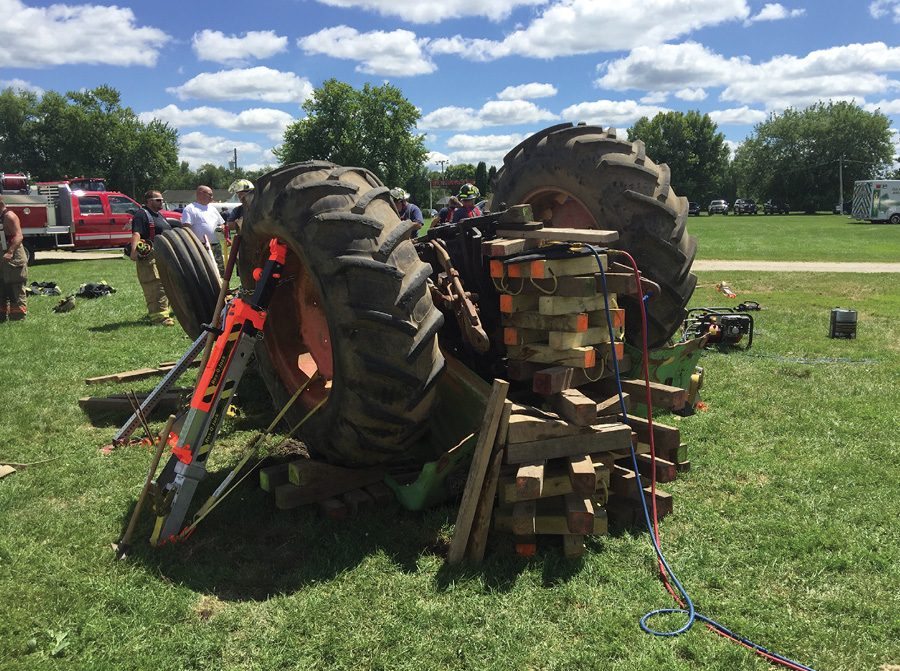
(67, 304)
(723, 325)
(843, 324)
(176, 485)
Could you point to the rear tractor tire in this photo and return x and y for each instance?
(579, 176)
(353, 316)
(189, 277)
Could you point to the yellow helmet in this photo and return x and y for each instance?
(239, 185)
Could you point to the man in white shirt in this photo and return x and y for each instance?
(203, 219)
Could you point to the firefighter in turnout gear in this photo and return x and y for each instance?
(145, 225)
(13, 266)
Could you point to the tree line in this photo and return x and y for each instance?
(797, 156)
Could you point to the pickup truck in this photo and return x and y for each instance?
(60, 217)
(717, 207)
(775, 207)
(745, 206)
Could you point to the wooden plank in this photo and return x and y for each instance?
(525, 546)
(559, 378)
(665, 470)
(620, 283)
(546, 268)
(551, 523)
(598, 317)
(357, 501)
(564, 235)
(522, 517)
(662, 396)
(506, 247)
(271, 477)
(665, 438)
(579, 514)
(167, 402)
(475, 481)
(482, 522)
(530, 481)
(314, 473)
(613, 405)
(535, 320)
(574, 406)
(518, 336)
(573, 546)
(568, 340)
(539, 425)
(582, 474)
(683, 466)
(556, 482)
(332, 509)
(603, 439)
(564, 305)
(577, 357)
(520, 303)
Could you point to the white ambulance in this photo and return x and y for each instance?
(877, 200)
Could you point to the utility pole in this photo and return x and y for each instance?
(442, 162)
(841, 181)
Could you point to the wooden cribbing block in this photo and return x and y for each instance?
(271, 477)
(564, 305)
(582, 474)
(625, 512)
(665, 438)
(332, 509)
(551, 520)
(577, 357)
(662, 396)
(647, 286)
(314, 473)
(598, 317)
(480, 461)
(559, 378)
(623, 482)
(612, 405)
(535, 320)
(546, 268)
(567, 340)
(357, 501)
(603, 438)
(620, 283)
(573, 546)
(522, 517)
(534, 424)
(588, 235)
(575, 285)
(574, 406)
(506, 247)
(665, 470)
(380, 493)
(482, 523)
(557, 482)
(579, 512)
(530, 481)
(518, 336)
(683, 466)
(525, 546)
(520, 303)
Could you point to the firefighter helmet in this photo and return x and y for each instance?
(468, 192)
(398, 193)
(239, 185)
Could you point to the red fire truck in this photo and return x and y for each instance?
(71, 214)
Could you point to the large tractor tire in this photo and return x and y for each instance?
(353, 307)
(189, 277)
(585, 177)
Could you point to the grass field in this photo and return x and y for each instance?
(785, 529)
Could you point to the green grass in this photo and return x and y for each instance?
(784, 530)
(794, 237)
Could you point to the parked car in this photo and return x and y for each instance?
(745, 206)
(717, 207)
(847, 207)
(693, 209)
(775, 207)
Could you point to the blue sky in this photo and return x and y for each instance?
(484, 74)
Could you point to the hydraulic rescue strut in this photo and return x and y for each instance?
(173, 490)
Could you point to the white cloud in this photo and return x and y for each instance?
(837, 73)
(259, 83)
(655, 98)
(214, 45)
(21, 85)
(732, 147)
(691, 95)
(199, 148)
(588, 26)
(884, 106)
(619, 113)
(37, 37)
(394, 54)
(775, 12)
(738, 117)
(527, 92)
(432, 11)
(257, 120)
(493, 113)
(486, 142)
(882, 8)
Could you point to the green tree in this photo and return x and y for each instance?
(481, 178)
(796, 156)
(85, 133)
(688, 142)
(371, 128)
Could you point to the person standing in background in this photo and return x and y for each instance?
(205, 220)
(13, 266)
(145, 225)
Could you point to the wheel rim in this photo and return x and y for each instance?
(566, 210)
(297, 339)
